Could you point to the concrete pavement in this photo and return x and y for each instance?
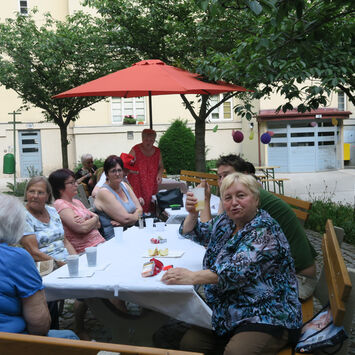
(337, 185)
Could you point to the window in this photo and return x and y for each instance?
(341, 101)
(23, 7)
(222, 112)
(121, 107)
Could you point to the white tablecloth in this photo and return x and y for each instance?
(122, 278)
(177, 216)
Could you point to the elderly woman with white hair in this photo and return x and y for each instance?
(23, 307)
(248, 273)
(85, 175)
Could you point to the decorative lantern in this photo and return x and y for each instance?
(334, 122)
(265, 138)
(237, 136)
(313, 124)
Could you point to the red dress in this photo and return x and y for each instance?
(145, 184)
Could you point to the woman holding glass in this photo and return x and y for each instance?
(248, 273)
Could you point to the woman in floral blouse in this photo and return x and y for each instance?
(248, 273)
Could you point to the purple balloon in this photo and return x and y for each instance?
(238, 136)
(265, 138)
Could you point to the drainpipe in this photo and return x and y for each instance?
(259, 149)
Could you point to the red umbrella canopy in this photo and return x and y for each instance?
(149, 77)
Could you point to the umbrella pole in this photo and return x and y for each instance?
(150, 111)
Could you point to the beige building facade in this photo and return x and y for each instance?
(100, 129)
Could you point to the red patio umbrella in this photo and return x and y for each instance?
(147, 78)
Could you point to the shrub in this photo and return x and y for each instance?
(342, 216)
(177, 147)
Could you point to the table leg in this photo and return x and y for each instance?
(125, 328)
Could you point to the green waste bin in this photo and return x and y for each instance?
(9, 163)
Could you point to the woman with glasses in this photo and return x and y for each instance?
(115, 202)
(80, 226)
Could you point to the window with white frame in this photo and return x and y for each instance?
(23, 4)
(223, 111)
(341, 101)
(132, 106)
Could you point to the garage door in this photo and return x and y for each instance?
(300, 147)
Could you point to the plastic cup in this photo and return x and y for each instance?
(91, 255)
(118, 233)
(199, 193)
(149, 222)
(160, 226)
(73, 265)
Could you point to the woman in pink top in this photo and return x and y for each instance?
(80, 227)
(80, 224)
(149, 163)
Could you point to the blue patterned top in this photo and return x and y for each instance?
(256, 275)
(50, 236)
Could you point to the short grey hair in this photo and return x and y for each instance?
(247, 180)
(12, 219)
(37, 179)
(85, 157)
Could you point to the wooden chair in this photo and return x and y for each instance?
(15, 344)
(300, 207)
(334, 285)
(195, 177)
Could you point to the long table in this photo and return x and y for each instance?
(122, 277)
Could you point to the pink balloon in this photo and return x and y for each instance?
(313, 124)
(270, 133)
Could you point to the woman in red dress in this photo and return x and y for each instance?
(149, 162)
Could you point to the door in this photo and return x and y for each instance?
(303, 147)
(30, 153)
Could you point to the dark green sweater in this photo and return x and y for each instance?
(301, 249)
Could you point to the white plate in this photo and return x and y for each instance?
(172, 254)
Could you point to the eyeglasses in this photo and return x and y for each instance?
(116, 171)
(72, 182)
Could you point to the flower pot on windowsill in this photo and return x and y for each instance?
(129, 120)
(140, 122)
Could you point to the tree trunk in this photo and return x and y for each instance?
(64, 143)
(200, 145)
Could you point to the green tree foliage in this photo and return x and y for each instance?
(174, 31)
(38, 62)
(284, 43)
(177, 148)
(263, 45)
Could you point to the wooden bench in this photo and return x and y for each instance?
(16, 344)
(300, 207)
(195, 177)
(334, 285)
